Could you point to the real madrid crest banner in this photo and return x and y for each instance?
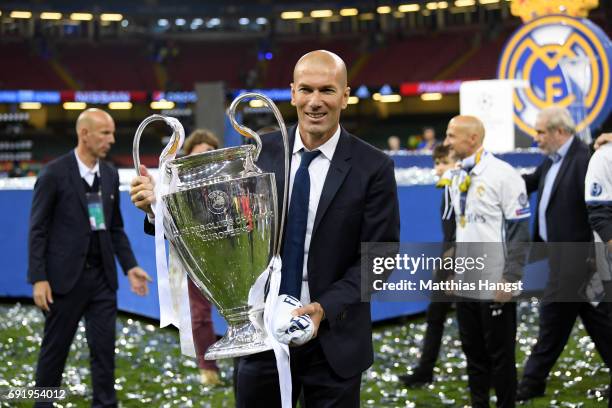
(566, 62)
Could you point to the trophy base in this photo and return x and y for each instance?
(241, 339)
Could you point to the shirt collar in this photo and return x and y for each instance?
(470, 162)
(327, 149)
(83, 169)
(562, 151)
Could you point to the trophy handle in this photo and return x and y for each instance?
(173, 146)
(245, 131)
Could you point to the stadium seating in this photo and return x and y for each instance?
(116, 65)
(279, 70)
(210, 61)
(23, 67)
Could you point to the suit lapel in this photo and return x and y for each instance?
(338, 169)
(564, 165)
(77, 181)
(106, 188)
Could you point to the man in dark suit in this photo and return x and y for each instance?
(76, 230)
(562, 219)
(351, 198)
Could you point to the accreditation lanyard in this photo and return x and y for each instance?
(464, 184)
(95, 211)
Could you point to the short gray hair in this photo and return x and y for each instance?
(558, 118)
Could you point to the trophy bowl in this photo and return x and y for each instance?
(220, 215)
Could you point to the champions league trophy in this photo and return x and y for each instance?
(220, 213)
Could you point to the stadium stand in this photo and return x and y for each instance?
(23, 67)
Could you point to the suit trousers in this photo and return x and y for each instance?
(436, 316)
(488, 339)
(92, 298)
(311, 375)
(556, 322)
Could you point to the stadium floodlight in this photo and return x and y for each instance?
(21, 14)
(74, 105)
(389, 98)
(49, 15)
(432, 5)
(442, 5)
(30, 105)
(321, 13)
(431, 96)
(261, 20)
(488, 1)
(163, 104)
(352, 100)
(383, 9)
(213, 22)
(81, 16)
(291, 15)
(162, 22)
(409, 8)
(244, 21)
(464, 3)
(111, 17)
(120, 105)
(348, 12)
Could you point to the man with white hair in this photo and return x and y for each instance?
(562, 218)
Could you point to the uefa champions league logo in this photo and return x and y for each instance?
(218, 202)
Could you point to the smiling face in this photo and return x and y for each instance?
(319, 93)
(464, 136)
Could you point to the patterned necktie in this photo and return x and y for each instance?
(295, 234)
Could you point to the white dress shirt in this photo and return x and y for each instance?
(88, 174)
(318, 172)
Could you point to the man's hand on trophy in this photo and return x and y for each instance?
(142, 191)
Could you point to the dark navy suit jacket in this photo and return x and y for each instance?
(59, 226)
(358, 204)
(566, 215)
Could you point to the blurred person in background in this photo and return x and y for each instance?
(487, 188)
(598, 197)
(444, 162)
(394, 144)
(562, 218)
(76, 230)
(429, 140)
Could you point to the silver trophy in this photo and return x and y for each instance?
(220, 213)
